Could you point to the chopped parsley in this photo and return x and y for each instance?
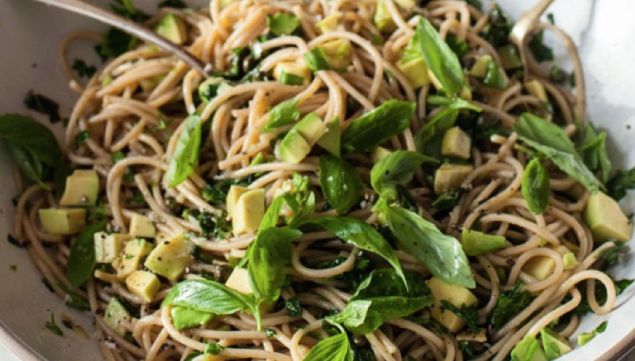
(43, 105)
(51, 326)
(293, 306)
(467, 314)
(510, 303)
(82, 69)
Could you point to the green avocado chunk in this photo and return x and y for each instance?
(172, 28)
(553, 344)
(476, 243)
(184, 317)
(606, 220)
(528, 349)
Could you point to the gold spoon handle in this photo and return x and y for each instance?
(527, 21)
(82, 8)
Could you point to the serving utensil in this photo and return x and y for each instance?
(527, 22)
(91, 11)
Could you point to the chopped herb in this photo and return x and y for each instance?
(293, 306)
(83, 70)
(510, 303)
(600, 295)
(270, 333)
(551, 18)
(540, 51)
(47, 284)
(316, 60)
(460, 47)
(216, 193)
(585, 337)
(43, 105)
(115, 42)
(51, 326)
(117, 157)
(81, 138)
(615, 255)
(176, 4)
(290, 79)
(498, 30)
(216, 227)
(621, 183)
(15, 242)
(213, 349)
(13, 267)
(448, 200)
(557, 75)
(467, 314)
(124, 8)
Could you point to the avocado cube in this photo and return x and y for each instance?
(415, 69)
(378, 154)
(456, 143)
(232, 197)
(116, 316)
(293, 68)
(109, 246)
(479, 69)
(170, 258)
(249, 212)
(82, 188)
(337, 53)
(510, 59)
(172, 28)
(528, 349)
(606, 220)
(569, 260)
(141, 226)
(143, 284)
(184, 317)
(541, 267)
(553, 344)
(382, 19)
(239, 281)
(294, 148)
(332, 139)
(457, 295)
(311, 128)
(451, 176)
(535, 88)
(133, 252)
(65, 222)
(476, 243)
(148, 84)
(329, 23)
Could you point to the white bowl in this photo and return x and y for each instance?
(30, 34)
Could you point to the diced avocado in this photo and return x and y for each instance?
(134, 251)
(476, 243)
(541, 267)
(337, 53)
(258, 159)
(107, 80)
(585, 337)
(569, 260)
(172, 28)
(456, 143)
(293, 148)
(65, 222)
(212, 87)
(378, 154)
(415, 70)
(148, 84)
(331, 141)
(292, 68)
(450, 176)
(456, 295)
(480, 67)
(382, 19)
(141, 226)
(249, 212)
(143, 284)
(311, 128)
(535, 88)
(495, 77)
(434, 80)
(528, 349)
(232, 197)
(82, 189)
(170, 258)
(553, 344)
(509, 57)
(116, 316)
(606, 220)
(184, 317)
(239, 281)
(109, 246)
(466, 93)
(329, 23)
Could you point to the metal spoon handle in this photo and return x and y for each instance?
(527, 20)
(129, 27)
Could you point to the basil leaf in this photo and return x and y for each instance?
(334, 348)
(539, 50)
(396, 169)
(27, 133)
(282, 24)
(550, 140)
(81, 260)
(316, 60)
(593, 151)
(362, 235)
(183, 317)
(282, 114)
(290, 79)
(273, 213)
(452, 103)
(209, 296)
(381, 296)
(268, 256)
(115, 42)
(494, 77)
(620, 183)
(28, 164)
(341, 184)
(441, 60)
(439, 253)
(377, 126)
(301, 211)
(185, 158)
(535, 186)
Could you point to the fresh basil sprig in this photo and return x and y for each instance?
(81, 260)
(185, 158)
(397, 168)
(441, 254)
(282, 114)
(362, 235)
(535, 186)
(268, 256)
(550, 140)
(381, 296)
(592, 148)
(439, 57)
(341, 184)
(377, 126)
(316, 60)
(334, 348)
